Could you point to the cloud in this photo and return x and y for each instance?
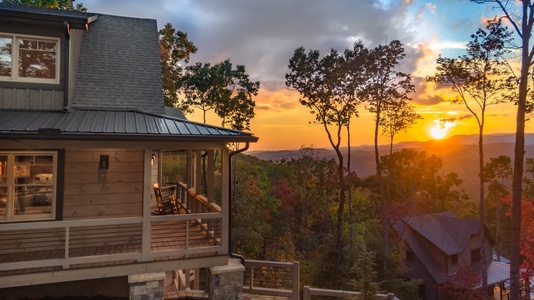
(262, 35)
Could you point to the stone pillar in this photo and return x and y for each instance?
(146, 286)
(226, 282)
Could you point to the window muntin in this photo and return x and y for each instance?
(29, 59)
(29, 189)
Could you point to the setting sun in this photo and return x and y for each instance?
(439, 130)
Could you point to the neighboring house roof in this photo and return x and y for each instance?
(110, 124)
(445, 230)
(419, 249)
(449, 234)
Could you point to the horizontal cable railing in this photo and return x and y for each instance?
(272, 278)
(315, 294)
(87, 243)
(194, 203)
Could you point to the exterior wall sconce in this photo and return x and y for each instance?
(104, 162)
(153, 159)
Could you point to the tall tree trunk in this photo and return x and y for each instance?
(382, 192)
(349, 186)
(482, 210)
(519, 155)
(339, 223)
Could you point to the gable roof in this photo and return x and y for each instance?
(445, 230)
(119, 66)
(111, 125)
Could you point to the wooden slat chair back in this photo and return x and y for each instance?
(166, 205)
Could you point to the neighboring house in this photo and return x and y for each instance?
(442, 249)
(83, 136)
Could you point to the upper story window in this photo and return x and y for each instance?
(454, 260)
(476, 256)
(27, 186)
(29, 58)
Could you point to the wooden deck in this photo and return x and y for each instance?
(169, 240)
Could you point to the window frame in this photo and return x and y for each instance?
(15, 52)
(11, 186)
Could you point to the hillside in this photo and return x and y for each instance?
(459, 154)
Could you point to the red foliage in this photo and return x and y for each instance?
(527, 235)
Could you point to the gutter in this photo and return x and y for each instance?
(232, 255)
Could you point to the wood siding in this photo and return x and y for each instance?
(92, 193)
(34, 99)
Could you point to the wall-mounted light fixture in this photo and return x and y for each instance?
(153, 159)
(104, 162)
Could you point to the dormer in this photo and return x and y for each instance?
(35, 55)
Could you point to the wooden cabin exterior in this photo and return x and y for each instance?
(444, 250)
(83, 139)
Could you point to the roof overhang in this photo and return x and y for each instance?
(111, 125)
(74, 19)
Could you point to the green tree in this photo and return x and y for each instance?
(480, 79)
(498, 172)
(385, 89)
(221, 88)
(415, 186)
(521, 15)
(55, 4)
(174, 50)
(364, 280)
(398, 117)
(328, 91)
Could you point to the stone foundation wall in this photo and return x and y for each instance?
(146, 286)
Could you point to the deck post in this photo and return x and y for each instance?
(146, 286)
(226, 282)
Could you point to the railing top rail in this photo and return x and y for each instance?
(264, 263)
(70, 223)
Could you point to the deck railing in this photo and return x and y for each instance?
(192, 202)
(75, 244)
(315, 293)
(272, 278)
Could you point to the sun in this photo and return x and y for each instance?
(437, 132)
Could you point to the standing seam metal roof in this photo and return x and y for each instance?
(110, 122)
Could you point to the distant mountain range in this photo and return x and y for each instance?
(459, 154)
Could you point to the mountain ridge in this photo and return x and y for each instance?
(458, 154)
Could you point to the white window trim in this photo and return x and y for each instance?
(10, 216)
(15, 59)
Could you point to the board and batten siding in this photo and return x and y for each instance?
(91, 193)
(32, 99)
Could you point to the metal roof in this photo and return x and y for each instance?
(105, 124)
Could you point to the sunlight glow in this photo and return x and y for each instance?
(439, 130)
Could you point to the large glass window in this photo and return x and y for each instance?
(27, 185)
(29, 59)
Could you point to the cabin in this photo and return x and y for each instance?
(91, 160)
(444, 251)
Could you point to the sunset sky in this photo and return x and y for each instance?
(262, 35)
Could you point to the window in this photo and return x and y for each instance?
(454, 260)
(475, 256)
(29, 59)
(27, 186)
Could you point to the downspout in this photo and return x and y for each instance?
(232, 255)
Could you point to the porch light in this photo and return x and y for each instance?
(231, 146)
(152, 160)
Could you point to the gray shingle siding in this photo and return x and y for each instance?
(119, 67)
